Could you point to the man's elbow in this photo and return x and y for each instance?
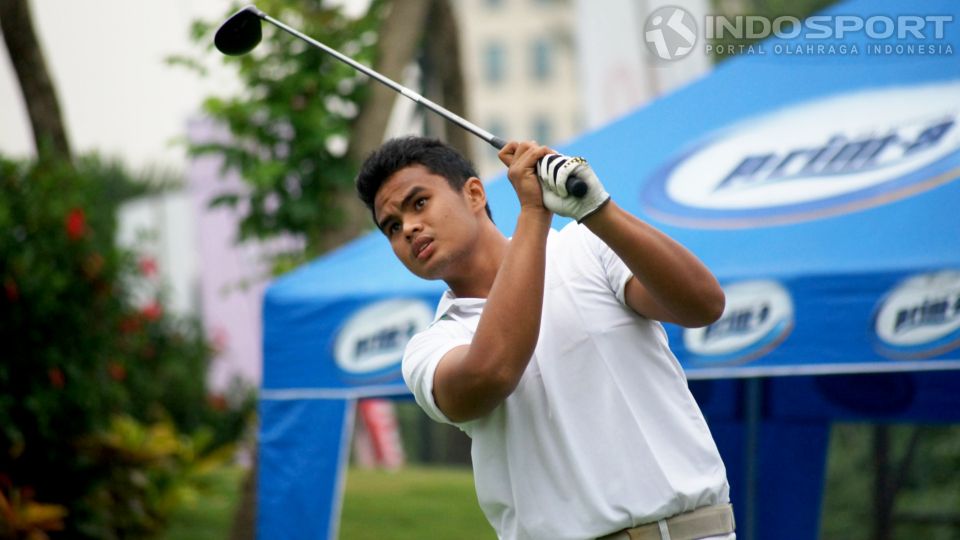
(714, 304)
(709, 309)
(484, 393)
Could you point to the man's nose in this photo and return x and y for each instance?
(411, 229)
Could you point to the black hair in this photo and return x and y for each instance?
(438, 157)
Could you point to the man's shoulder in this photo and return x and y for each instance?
(448, 324)
(572, 241)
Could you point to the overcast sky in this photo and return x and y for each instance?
(116, 92)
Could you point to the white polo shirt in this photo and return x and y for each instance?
(602, 432)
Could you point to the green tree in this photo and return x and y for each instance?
(893, 482)
(305, 120)
(97, 395)
(43, 107)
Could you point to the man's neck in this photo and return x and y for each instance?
(477, 275)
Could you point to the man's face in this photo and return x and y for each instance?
(430, 226)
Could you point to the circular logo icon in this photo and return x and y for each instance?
(758, 317)
(670, 33)
(372, 340)
(920, 318)
(824, 157)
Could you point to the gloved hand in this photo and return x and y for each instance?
(553, 171)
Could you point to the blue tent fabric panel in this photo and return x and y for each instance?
(928, 397)
(789, 462)
(303, 453)
(791, 472)
(789, 466)
(365, 267)
(299, 340)
(831, 330)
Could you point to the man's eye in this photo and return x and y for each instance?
(393, 227)
(420, 202)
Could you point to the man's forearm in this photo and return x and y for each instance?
(673, 276)
(472, 380)
(510, 325)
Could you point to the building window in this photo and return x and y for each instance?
(542, 130)
(494, 62)
(494, 3)
(542, 53)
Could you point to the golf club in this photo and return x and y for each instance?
(241, 33)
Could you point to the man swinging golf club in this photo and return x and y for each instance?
(547, 349)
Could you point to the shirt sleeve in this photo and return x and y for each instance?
(420, 360)
(615, 271)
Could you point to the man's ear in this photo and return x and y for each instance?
(475, 193)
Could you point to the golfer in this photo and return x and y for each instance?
(547, 349)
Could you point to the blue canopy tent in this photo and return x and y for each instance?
(818, 178)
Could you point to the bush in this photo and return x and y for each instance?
(81, 359)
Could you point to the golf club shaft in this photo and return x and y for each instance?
(575, 186)
(495, 141)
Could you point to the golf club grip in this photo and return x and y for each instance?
(575, 186)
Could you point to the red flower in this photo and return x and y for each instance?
(57, 379)
(76, 224)
(116, 371)
(148, 266)
(152, 311)
(13, 293)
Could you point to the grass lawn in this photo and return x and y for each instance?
(411, 504)
(211, 514)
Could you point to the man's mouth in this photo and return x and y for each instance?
(422, 247)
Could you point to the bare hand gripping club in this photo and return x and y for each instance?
(241, 33)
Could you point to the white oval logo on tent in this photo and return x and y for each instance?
(758, 316)
(375, 336)
(816, 159)
(921, 316)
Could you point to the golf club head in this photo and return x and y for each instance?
(240, 33)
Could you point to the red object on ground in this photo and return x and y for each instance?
(381, 422)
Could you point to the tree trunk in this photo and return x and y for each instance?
(244, 525)
(49, 132)
(882, 497)
(444, 73)
(399, 36)
(889, 478)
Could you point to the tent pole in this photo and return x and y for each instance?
(754, 398)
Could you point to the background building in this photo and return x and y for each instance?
(549, 69)
(520, 65)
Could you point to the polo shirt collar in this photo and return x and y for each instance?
(450, 303)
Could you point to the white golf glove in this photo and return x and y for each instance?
(553, 171)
